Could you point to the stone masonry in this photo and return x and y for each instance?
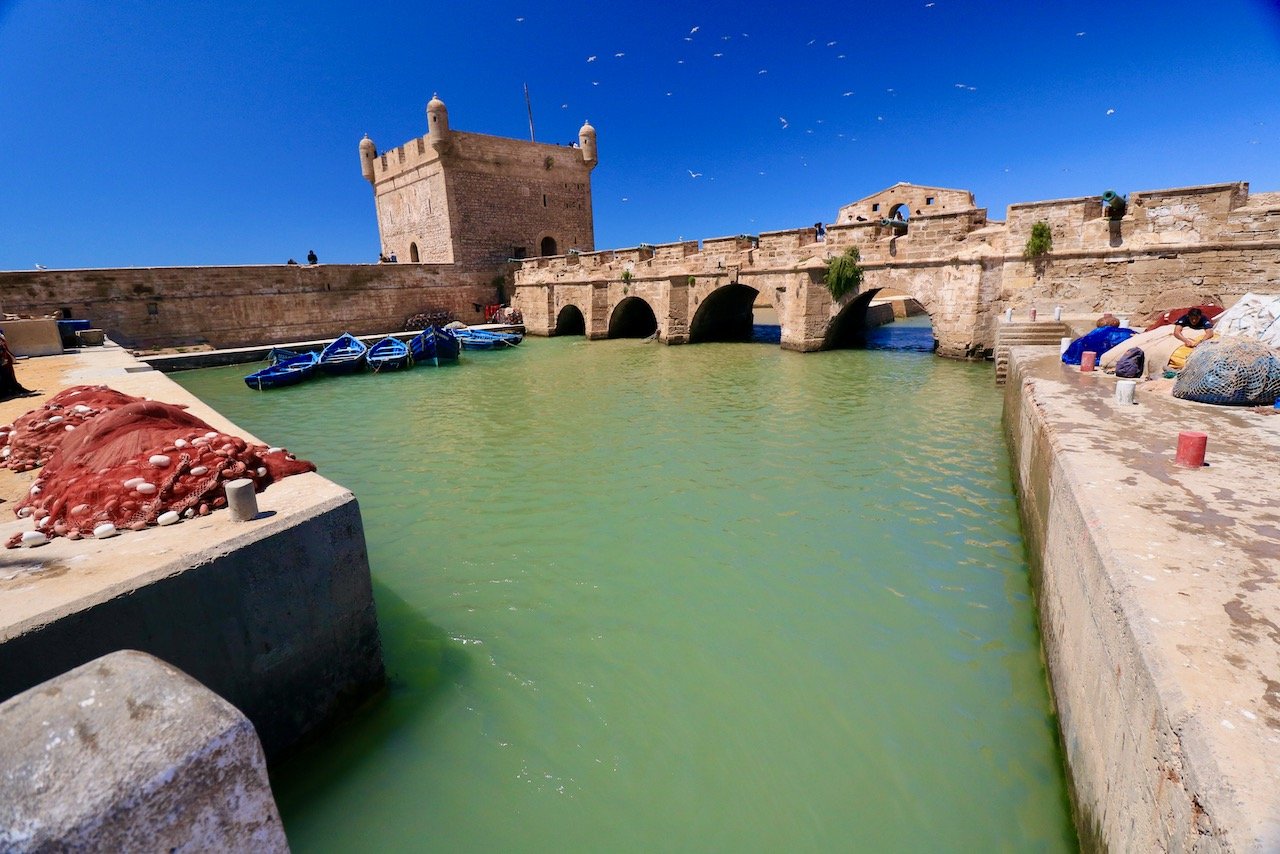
(1171, 247)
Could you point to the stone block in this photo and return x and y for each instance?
(127, 753)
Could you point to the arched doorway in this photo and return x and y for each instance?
(548, 246)
(570, 321)
(633, 318)
(869, 322)
(413, 252)
(725, 315)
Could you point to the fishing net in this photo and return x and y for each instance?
(1230, 372)
(140, 460)
(31, 440)
(423, 319)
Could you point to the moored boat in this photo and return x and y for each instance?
(290, 370)
(486, 339)
(389, 354)
(345, 355)
(433, 345)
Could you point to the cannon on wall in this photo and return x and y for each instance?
(1113, 204)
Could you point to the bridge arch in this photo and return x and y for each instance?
(848, 328)
(632, 318)
(724, 315)
(570, 321)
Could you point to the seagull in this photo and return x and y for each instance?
(595, 82)
(1079, 34)
(929, 5)
(811, 41)
(564, 106)
(1111, 112)
(519, 20)
(763, 71)
(716, 55)
(668, 94)
(847, 94)
(785, 125)
(625, 199)
(41, 267)
(679, 62)
(686, 38)
(725, 38)
(591, 59)
(619, 55)
(694, 30)
(959, 85)
(840, 56)
(693, 174)
(831, 44)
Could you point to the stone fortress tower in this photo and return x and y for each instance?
(475, 200)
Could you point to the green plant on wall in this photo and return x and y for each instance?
(1039, 243)
(844, 273)
(626, 276)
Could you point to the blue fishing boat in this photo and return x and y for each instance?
(289, 370)
(485, 339)
(433, 345)
(344, 356)
(389, 354)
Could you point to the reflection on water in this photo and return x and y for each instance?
(637, 597)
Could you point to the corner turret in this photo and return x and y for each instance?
(437, 123)
(368, 152)
(587, 142)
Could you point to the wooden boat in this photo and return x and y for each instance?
(485, 339)
(389, 354)
(344, 355)
(289, 370)
(433, 344)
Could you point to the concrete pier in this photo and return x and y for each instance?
(275, 614)
(1157, 604)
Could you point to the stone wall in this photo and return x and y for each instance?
(243, 306)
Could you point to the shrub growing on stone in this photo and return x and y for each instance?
(844, 274)
(1039, 243)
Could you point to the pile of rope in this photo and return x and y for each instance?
(128, 466)
(1230, 371)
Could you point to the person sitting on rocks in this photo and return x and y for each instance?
(9, 385)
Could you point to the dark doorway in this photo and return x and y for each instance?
(725, 315)
(633, 318)
(548, 246)
(570, 321)
(413, 252)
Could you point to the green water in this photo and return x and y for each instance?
(707, 598)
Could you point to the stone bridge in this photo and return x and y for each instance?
(1170, 247)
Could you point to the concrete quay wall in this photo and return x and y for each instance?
(276, 615)
(228, 307)
(1156, 601)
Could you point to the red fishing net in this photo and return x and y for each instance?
(30, 441)
(137, 461)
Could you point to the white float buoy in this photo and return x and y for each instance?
(212, 434)
(24, 512)
(200, 470)
(1125, 390)
(262, 471)
(105, 530)
(54, 419)
(31, 539)
(167, 518)
(35, 489)
(146, 488)
(81, 408)
(132, 482)
(180, 443)
(241, 499)
(159, 461)
(274, 450)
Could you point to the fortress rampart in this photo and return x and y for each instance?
(1171, 247)
(244, 306)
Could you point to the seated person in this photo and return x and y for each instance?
(1191, 322)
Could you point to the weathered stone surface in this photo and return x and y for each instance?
(1157, 600)
(127, 753)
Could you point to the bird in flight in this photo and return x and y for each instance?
(619, 54)
(1111, 112)
(591, 59)
(785, 124)
(717, 55)
(519, 20)
(693, 174)
(847, 94)
(694, 30)
(1079, 34)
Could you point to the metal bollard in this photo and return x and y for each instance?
(1088, 361)
(1125, 390)
(242, 501)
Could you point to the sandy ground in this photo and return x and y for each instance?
(47, 374)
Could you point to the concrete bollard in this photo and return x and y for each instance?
(1125, 390)
(242, 501)
(1057, 314)
(1124, 321)
(1088, 361)
(1191, 447)
(1033, 315)
(1008, 315)
(1063, 344)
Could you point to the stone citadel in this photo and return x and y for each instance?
(474, 219)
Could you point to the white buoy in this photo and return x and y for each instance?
(160, 461)
(200, 470)
(241, 500)
(1125, 390)
(146, 488)
(1063, 344)
(168, 518)
(1057, 314)
(180, 443)
(1008, 315)
(31, 539)
(25, 512)
(262, 471)
(55, 419)
(81, 408)
(105, 530)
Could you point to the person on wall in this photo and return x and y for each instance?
(311, 257)
(9, 385)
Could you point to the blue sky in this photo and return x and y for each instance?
(146, 134)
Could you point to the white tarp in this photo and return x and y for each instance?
(1255, 316)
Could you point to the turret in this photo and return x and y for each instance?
(437, 123)
(587, 142)
(368, 152)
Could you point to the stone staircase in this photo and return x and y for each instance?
(1046, 333)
